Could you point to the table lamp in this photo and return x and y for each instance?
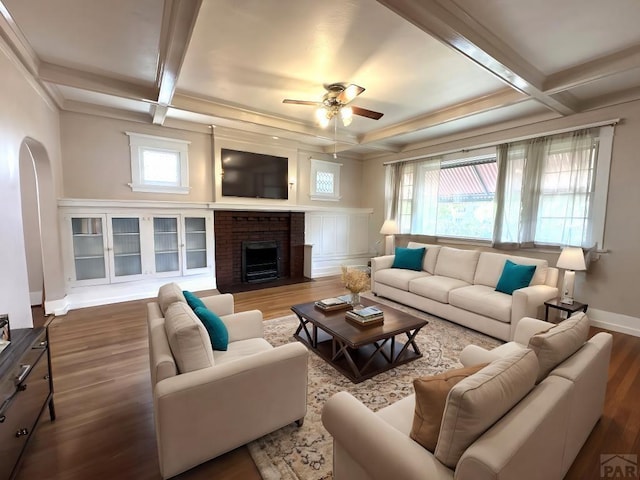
(389, 228)
(570, 259)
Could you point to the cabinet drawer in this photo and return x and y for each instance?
(20, 414)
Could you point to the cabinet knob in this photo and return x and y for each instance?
(22, 387)
(22, 432)
(46, 377)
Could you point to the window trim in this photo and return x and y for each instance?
(318, 166)
(138, 142)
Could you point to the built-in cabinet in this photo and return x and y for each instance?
(115, 247)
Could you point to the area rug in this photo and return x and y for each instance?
(305, 453)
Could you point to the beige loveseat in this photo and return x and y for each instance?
(227, 398)
(537, 438)
(459, 285)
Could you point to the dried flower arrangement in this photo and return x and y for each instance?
(355, 280)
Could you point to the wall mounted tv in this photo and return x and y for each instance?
(254, 175)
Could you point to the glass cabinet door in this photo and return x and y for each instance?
(88, 248)
(127, 257)
(165, 244)
(195, 243)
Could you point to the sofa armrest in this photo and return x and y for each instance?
(529, 302)
(527, 327)
(378, 263)
(220, 304)
(380, 449)
(244, 325)
(207, 412)
(474, 355)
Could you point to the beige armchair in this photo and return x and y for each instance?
(247, 391)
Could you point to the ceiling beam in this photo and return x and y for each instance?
(447, 22)
(619, 62)
(501, 98)
(178, 21)
(95, 83)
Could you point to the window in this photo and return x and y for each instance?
(451, 196)
(158, 164)
(542, 191)
(325, 180)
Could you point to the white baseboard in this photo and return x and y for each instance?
(91, 296)
(326, 267)
(35, 298)
(615, 322)
(56, 307)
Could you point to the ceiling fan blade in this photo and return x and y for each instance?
(363, 112)
(350, 92)
(301, 102)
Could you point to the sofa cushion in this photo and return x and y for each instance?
(429, 261)
(408, 258)
(515, 276)
(398, 278)
(431, 397)
(483, 300)
(457, 263)
(192, 300)
(188, 339)
(490, 266)
(435, 287)
(241, 349)
(216, 328)
(477, 402)
(168, 294)
(558, 343)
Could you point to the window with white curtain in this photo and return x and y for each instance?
(450, 196)
(543, 191)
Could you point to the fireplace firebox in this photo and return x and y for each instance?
(260, 261)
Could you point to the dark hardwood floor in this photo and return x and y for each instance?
(104, 427)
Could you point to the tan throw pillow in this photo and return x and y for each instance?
(558, 343)
(188, 338)
(477, 402)
(168, 294)
(431, 397)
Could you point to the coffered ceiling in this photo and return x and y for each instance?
(433, 67)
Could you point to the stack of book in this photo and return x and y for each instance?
(334, 303)
(366, 317)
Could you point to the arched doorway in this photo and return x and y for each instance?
(40, 228)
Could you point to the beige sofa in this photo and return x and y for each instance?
(245, 392)
(459, 285)
(537, 438)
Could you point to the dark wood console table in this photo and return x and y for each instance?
(26, 387)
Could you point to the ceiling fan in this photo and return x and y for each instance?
(336, 101)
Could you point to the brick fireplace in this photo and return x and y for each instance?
(233, 228)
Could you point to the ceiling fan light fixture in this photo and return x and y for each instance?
(347, 115)
(322, 116)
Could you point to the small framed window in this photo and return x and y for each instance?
(325, 180)
(158, 164)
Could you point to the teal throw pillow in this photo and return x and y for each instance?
(409, 258)
(514, 276)
(216, 328)
(192, 300)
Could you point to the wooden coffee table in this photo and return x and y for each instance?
(359, 352)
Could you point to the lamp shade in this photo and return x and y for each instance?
(389, 227)
(571, 258)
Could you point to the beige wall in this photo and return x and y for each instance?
(610, 283)
(97, 165)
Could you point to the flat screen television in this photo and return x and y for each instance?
(254, 175)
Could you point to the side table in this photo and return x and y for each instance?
(565, 307)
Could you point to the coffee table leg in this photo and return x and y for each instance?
(411, 340)
(344, 350)
(312, 339)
